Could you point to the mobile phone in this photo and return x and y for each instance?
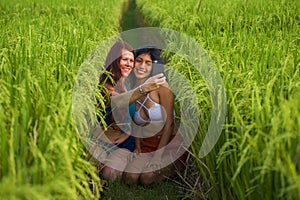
(157, 67)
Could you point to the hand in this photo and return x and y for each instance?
(154, 82)
(133, 155)
(137, 150)
(155, 164)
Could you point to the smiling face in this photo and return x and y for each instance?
(126, 62)
(142, 66)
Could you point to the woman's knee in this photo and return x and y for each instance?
(110, 173)
(131, 178)
(148, 178)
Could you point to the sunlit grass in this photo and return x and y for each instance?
(255, 47)
(42, 46)
(253, 43)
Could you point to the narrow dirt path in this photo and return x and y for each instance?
(132, 18)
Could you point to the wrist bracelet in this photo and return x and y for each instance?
(141, 90)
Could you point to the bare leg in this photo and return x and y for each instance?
(115, 164)
(150, 178)
(135, 168)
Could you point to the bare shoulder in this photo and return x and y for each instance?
(164, 89)
(165, 86)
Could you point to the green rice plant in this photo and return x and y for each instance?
(255, 47)
(42, 46)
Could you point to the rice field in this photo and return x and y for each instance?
(42, 46)
(254, 44)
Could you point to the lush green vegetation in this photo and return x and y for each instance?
(42, 45)
(255, 45)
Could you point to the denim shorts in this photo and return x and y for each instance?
(108, 147)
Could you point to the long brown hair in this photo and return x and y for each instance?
(112, 66)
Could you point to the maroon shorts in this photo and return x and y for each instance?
(150, 144)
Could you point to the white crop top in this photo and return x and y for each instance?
(155, 112)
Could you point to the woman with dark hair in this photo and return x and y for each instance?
(120, 143)
(158, 145)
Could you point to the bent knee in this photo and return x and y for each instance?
(148, 179)
(131, 178)
(110, 174)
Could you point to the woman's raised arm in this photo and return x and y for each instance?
(126, 98)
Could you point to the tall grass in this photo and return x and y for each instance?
(42, 45)
(255, 45)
